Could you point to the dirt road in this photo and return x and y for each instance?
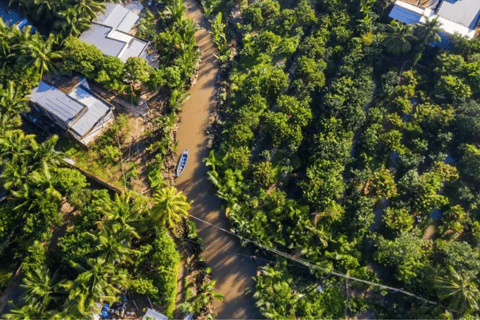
(230, 263)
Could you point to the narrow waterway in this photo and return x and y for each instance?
(230, 262)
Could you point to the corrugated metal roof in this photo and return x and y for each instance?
(96, 110)
(79, 103)
(101, 17)
(56, 102)
(111, 35)
(128, 22)
(133, 49)
(97, 35)
(152, 314)
(404, 15)
(463, 12)
(118, 17)
(134, 6)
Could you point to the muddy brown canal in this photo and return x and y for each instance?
(230, 262)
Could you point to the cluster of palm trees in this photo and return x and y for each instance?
(197, 304)
(401, 38)
(26, 56)
(30, 177)
(125, 224)
(65, 16)
(459, 290)
(220, 39)
(177, 44)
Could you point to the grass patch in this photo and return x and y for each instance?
(104, 158)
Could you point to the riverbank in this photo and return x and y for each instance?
(230, 262)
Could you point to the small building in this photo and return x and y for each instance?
(111, 32)
(456, 16)
(153, 315)
(75, 109)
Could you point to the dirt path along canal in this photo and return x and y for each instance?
(230, 262)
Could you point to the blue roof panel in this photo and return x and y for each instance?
(11, 17)
(404, 15)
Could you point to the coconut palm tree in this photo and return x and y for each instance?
(460, 290)
(9, 123)
(89, 8)
(169, 207)
(40, 11)
(123, 213)
(14, 177)
(41, 289)
(5, 36)
(177, 10)
(114, 246)
(45, 153)
(26, 312)
(73, 24)
(95, 282)
(398, 38)
(426, 33)
(39, 54)
(16, 144)
(12, 99)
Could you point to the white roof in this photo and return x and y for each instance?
(462, 12)
(411, 14)
(154, 315)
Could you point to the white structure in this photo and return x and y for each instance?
(456, 16)
(79, 112)
(110, 32)
(154, 315)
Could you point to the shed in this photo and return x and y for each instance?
(79, 111)
(404, 15)
(154, 315)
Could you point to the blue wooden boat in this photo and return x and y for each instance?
(182, 163)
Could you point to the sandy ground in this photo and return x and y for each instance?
(230, 263)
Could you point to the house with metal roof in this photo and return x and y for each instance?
(456, 16)
(111, 33)
(78, 111)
